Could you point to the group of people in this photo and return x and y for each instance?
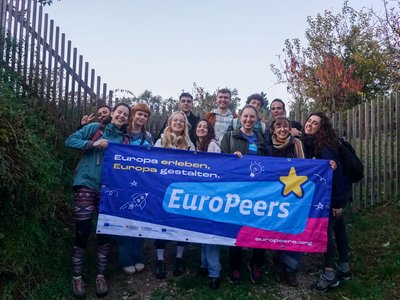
(220, 130)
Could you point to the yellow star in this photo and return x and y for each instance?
(293, 183)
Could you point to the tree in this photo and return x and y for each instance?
(205, 100)
(344, 62)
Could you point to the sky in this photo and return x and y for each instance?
(167, 45)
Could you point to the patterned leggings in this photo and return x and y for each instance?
(85, 203)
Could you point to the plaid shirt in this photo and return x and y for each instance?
(222, 123)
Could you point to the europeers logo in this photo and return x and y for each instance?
(282, 205)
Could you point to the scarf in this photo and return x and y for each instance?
(290, 140)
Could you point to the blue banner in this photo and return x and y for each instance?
(201, 197)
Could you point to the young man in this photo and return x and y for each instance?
(185, 106)
(221, 117)
(103, 113)
(277, 109)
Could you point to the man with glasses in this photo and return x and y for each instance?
(277, 109)
(185, 106)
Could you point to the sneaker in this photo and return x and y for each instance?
(255, 272)
(343, 275)
(130, 270)
(179, 267)
(214, 283)
(291, 279)
(203, 272)
(101, 287)
(235, 277)
(323, 283)
(78, 287)
(160, 270)
(139, 267)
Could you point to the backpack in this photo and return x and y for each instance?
(352, 165)
(100, 130)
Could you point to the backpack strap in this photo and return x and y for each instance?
(98, 133)
(230, 141)
(235, 123)
(263, 127)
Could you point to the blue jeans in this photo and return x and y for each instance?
(130, 250)
(210, 259)
(290, 260)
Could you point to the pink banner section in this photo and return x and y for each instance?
(312, 239)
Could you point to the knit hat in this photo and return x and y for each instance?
(141, 107)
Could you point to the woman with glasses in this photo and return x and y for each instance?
(285, 145)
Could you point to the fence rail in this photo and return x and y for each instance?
(51, 69)
(373, 129)
(47, 63)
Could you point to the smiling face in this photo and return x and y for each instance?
(103, 113)
(202, 129)
(256, 103)
(223, 101)
(282, 129)
(140, 119)
(277, 109)
(248, 118)
(185, 104)
(178, 123)
(120, 116)
(313, 125)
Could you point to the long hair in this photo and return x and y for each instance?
(326, 136)
(203, 145)
(170, 139)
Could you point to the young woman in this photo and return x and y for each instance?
(285, 145)
(130, 249)
(320, 141)
(210, 264)
(87, 192)
(175, 136)
(245, 140)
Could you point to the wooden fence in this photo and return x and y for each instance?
(373, 129)
(32, 47)
(47, 64)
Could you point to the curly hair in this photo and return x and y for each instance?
(171, 140)
(203, 145)
(326, 135)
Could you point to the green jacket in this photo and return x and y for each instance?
(88, 171)
(234, 141)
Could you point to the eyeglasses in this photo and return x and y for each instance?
(282, 126)
(186, 101)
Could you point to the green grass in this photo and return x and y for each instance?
(375, 261)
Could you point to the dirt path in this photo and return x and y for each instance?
(143, 285)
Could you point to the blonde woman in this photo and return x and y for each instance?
(175, 136)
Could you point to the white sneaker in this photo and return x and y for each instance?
(129, 270)
(139, 267)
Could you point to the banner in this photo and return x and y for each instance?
(254, 201)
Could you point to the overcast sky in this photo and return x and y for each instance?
(166, 45)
